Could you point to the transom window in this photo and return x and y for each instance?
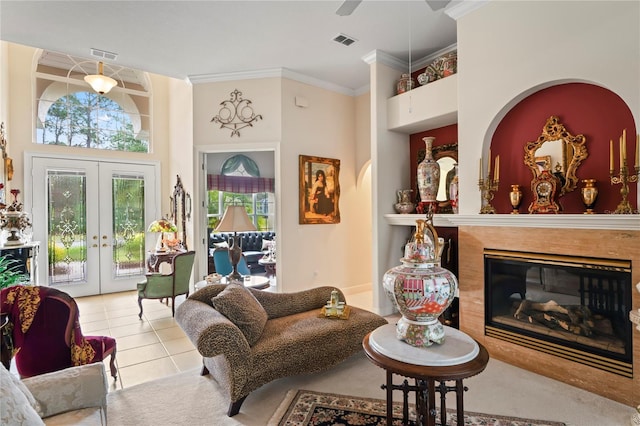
(70, 113)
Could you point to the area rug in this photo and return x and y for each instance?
(310, 408)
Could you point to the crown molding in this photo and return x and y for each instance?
(270, 73)
(384, 58)
(459, 10)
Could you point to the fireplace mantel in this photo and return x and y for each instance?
(624, 222)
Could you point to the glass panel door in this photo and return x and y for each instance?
(125, 209)
(92, 216)
(67, 242)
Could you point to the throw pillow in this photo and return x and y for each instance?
(17, 404)
(223, 244)
(242, 308)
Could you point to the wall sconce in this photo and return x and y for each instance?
(100, 82)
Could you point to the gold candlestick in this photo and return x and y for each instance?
(487, 187)
(624, 178)
(624, 207)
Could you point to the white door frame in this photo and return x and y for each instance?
(150, 214)
(200, 199)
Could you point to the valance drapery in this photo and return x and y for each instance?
(240, 184)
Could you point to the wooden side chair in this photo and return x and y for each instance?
(160, 286)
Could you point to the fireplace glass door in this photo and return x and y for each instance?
(573, 307)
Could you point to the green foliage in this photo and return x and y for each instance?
(9, 274)
(89, 120)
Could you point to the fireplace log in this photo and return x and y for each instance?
(574, 319)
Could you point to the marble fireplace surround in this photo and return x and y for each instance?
(558, 236)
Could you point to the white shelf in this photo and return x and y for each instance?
(426, 107)
(628, 222)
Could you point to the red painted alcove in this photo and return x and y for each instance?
(597, 113)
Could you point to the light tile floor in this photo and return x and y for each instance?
(148, 348)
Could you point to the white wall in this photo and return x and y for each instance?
(389, 172)
(308, 255)
(507, 50)
(170, 103)
(21, 81)
(4, 82)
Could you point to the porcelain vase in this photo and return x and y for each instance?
(404, 204)
(515, 198)
(428, 174)
(589, 194)
(421, 289)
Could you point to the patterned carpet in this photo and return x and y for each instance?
(309, 408)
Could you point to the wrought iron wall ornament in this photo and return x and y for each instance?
(236, 114)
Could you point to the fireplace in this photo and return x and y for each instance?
(573, 307)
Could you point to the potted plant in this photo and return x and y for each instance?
(9, 273)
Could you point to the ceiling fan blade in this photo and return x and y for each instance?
(437, 4)
(348, 7)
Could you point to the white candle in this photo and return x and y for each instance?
(480, 169)
(489, 165)
(624, 146)
(497, 169)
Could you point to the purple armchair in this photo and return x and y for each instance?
(46, 334)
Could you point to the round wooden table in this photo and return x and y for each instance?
(252, 281)
(443, 368)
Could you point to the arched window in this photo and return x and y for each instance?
(70, 113)
(239, 183)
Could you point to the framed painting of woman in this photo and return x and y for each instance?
(319, 190)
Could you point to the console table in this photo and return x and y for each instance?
(156, 258)
(457, 358)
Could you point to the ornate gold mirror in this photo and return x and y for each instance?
(557, 151)
(180, 211)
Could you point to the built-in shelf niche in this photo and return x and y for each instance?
(426, 107)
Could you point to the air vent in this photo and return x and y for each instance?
(344, 39)
(103, 54)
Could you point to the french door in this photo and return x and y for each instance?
(90, 218)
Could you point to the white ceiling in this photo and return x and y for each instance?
(189, 39)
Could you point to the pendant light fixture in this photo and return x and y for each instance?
(100, 82)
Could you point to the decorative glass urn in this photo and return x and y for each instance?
(14, 222)
(421, 289)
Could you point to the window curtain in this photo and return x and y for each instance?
(240, 184)
(233, 164)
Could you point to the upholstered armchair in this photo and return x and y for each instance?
(160, 286)
(223, 263)
(45, 332)
(75, 395)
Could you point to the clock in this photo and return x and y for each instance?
(544, 188)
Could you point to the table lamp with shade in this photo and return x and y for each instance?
(235, 219)
(161, 226)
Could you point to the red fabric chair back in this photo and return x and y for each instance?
(46, 331)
